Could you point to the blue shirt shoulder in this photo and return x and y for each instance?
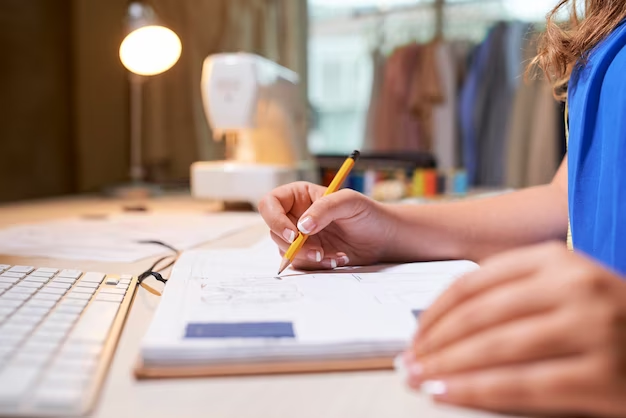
(597, 153)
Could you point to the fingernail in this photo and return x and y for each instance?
(399, 366)
(289, 235)
(333, 263)
(434, 387)
(344, 260)
(416, 370)
(314, 255)
(306, 225)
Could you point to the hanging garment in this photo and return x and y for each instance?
(426, 92)
(396, 127)
(532, 151)
(445, 133)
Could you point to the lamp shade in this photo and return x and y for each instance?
(149, 48)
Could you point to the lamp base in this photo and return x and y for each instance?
(135, 191)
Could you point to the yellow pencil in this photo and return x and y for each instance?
(341, 176)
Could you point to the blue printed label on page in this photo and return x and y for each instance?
(416, 313)
(241, 330)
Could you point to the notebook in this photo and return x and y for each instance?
(225, 312)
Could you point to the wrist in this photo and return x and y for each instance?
(417, 233)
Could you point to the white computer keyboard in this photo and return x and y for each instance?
(58, 332)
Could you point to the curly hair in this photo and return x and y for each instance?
(564, 45)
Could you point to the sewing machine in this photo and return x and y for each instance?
(254, 106)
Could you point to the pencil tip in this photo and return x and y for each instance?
(283, 265)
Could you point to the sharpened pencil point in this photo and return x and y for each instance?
(283, 265)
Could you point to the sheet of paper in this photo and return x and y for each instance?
(346, 312)
(116, 238)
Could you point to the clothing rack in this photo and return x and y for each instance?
(439, 7)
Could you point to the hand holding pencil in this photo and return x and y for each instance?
(341, 227)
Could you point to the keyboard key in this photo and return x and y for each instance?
(87, 290)
(76, 295)
(93, 277)
(87, 350)
(47, 296)
(36, 279)
(12, 275)
(47, 336)
(13, 295)
(74, 302)
(7, 310)
(109, 298)
(53, 290)
(112, 291)
(94, 324)
(45, 272)
(62, 317)
(33, 311)
(31, 359)
(4, 286)
(21, 269)
(72, 274)
(38, 347)
(126, 276)
(19, 318)
(34, 285)
(89, 285)
(15, 380)
(4, 267)
(55, 326)
(11, 341)
(64, 280)
(10, 280)
(65, 380)
(6, 303)
(70, 308)
(39, 303)
(15, 330)
(21, 289)
(122, 286)
(112, 281)
(55, 396)
(64, 286)
(124, 281)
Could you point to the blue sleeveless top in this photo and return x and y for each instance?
(597, 153)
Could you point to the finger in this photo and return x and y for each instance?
(526, 340)
(552, 387)
(489, 309)
(273, 209)
(311, 251)
(343, 204)
(499, 270)
(283, 205)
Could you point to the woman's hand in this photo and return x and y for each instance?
(346, 227)
(535, 331)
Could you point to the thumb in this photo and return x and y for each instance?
(343, 204)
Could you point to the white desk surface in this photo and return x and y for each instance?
(328, 395)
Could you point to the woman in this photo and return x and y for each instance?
(539, 329)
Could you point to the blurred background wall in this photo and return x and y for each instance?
(64, 93)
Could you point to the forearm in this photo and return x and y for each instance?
(478, 228)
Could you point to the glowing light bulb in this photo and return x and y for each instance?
(150, 50)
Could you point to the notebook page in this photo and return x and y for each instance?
(346, 311)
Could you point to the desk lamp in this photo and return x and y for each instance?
(149, 49)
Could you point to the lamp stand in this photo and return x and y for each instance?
(138, 188)
(137, 172)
